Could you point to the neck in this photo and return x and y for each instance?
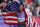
(28, 8)
(21, 11)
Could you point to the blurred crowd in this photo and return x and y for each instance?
(32, 6)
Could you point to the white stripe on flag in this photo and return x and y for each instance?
(11, 21)
(4, 13)
(36, 24)
(10, 17)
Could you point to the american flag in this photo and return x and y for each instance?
(11, 19)
(30, 21)
(12, 6)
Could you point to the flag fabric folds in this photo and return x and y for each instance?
(11, 19)
(30, 21)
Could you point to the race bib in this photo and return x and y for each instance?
(21, 19)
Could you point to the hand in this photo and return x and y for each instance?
(12, 12)
(0, 13)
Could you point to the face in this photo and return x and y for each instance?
(28, 5)
(38, 4)
(20, 8)
(13, 0)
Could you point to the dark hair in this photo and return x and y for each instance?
(11, 0)
(37, 5)
(39, 13)
(1, 1)
(21, 4)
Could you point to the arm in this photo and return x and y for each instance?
(37, 12)
(9, 11)
(14, 12)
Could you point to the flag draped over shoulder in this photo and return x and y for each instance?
(10, 19)
(30, 21)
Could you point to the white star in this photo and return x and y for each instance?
(15, 3)
(14, 8)
(8, 5)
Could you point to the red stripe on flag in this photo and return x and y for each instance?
(25, 13)
(9, 15)
(34, 24)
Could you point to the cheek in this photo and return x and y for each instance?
(21, 9)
